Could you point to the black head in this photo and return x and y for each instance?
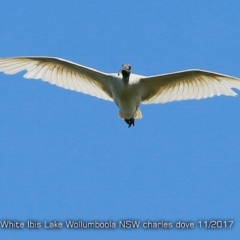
(125, 70)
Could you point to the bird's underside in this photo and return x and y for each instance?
(131, 121)
(126, 89)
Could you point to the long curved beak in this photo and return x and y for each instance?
(120, 70)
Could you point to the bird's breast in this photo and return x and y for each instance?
(127, 97)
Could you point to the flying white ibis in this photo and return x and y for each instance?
(126, 89)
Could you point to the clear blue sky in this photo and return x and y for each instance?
(67, 156)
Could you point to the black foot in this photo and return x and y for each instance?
(130, 121)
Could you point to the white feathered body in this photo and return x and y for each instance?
(126, 95)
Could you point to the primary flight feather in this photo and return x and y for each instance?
(126, 89)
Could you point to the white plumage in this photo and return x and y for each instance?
(127, 90)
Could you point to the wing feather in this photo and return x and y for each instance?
(71, 83)
(206, 88)
(62, 73)
(190, 84)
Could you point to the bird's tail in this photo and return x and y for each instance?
(137, 114)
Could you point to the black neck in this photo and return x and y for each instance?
(125, 79)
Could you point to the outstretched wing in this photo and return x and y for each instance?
(62, 73)
(190, 84)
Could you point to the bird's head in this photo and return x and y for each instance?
(125, 70)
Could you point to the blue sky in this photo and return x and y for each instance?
(67, 156)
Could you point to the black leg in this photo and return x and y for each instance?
(130, 121)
